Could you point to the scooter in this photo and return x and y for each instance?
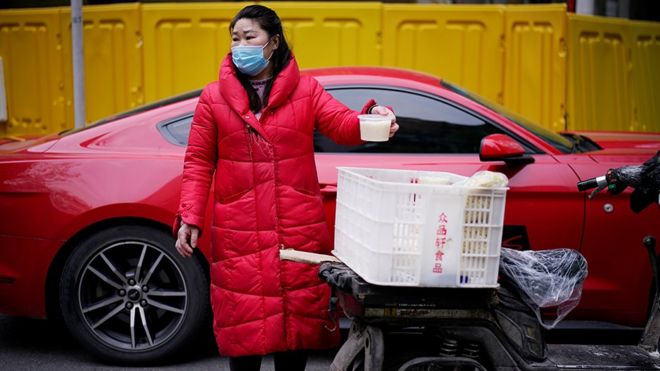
(415, 328)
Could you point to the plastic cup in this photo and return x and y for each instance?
(374, 128)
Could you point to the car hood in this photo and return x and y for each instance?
(616, 139)
(623, 156)
(13, 145)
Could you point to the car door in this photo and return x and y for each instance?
(620, 275)
(543, 209)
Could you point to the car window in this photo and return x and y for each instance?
(176, 130)
(135, 111)
(564, 145)
(426, 125)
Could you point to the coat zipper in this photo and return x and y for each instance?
(278, 230)
(285, 302)
(249, 131)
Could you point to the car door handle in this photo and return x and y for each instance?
(328, 189)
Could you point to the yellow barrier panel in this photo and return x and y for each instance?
(331, 34)
(183, 45)
(30, 47)
(113, 59)
(645, 38)
(535, 63)
(599, 74)
(518, 56)
(460, 43)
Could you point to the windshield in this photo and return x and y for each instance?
(562, 144)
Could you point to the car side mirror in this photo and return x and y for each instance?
(501, 147)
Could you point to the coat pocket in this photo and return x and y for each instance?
(308, 192)
(233, 197)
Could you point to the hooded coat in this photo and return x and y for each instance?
(266, 197)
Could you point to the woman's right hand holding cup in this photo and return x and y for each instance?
(378, 125)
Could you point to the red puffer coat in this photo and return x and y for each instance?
(266, 197)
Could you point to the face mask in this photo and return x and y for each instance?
(249, 59)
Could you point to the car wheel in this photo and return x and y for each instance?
(129, 298)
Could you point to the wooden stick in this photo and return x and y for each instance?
(305, 257)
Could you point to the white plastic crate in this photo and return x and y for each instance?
(406, 228)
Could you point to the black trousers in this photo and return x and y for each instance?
(284, 361)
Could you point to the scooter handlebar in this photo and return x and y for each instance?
(587, 184)
(599, 183)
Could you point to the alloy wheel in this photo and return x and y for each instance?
(132, 295)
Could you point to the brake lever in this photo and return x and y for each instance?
(598, 189)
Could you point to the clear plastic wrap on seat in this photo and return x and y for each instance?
(548, 280)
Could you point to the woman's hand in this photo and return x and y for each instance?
(186, 233)
(380, 110)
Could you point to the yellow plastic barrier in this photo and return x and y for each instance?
(599, 69)
(113, 59)
(535, 63)
(645, 91)
(332, 34)
(562, 70)
(30, 47)
(462, 44)
(183, 45)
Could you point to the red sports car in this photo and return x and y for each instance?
(86, 214)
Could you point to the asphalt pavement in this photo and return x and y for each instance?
(32, 344)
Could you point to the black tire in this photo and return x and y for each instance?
(98, 303)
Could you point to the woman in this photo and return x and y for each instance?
(254, 128)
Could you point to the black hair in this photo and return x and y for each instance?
(271, 23)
